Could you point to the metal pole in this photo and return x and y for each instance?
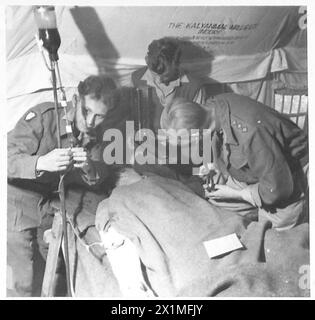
(61, 189)
(139, 108)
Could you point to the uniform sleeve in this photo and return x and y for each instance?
(269, 165)
(23, 143)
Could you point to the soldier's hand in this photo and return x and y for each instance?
(222, 192)
(80, 157)
(55, 160)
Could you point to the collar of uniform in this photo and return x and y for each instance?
(148, 77)
(222, 116)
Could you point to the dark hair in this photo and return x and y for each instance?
(99, 88)
(161, 53)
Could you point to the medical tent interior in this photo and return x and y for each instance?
(255, 51)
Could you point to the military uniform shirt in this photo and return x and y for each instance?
(264, 149)
(33, 136)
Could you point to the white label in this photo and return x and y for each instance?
(222, 245)
(68, 129)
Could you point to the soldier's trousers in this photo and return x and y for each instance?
(26, 255)
(25, 262)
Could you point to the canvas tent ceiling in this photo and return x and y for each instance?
(226, 44)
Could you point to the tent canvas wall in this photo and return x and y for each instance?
(243, 47)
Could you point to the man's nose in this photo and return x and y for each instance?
(90, 120)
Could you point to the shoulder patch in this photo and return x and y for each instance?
(30, 116)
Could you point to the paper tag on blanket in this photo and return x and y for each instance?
(222, 245)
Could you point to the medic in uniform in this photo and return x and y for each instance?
(262, 155)
(35, 164)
